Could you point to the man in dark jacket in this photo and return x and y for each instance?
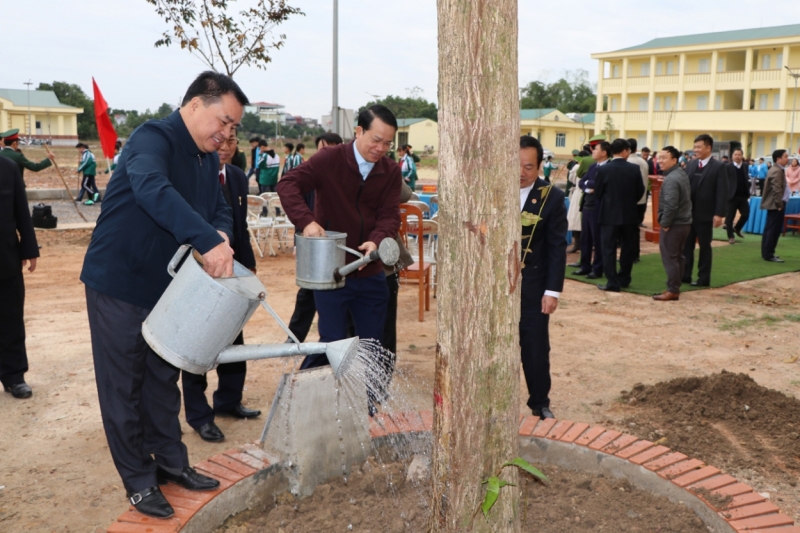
(164, 193)
(18, 248)
(11, 151)
(709, 180)
(773, 201)
(228, 396)
(358, 191)
(544, 256)
(675, 219)
(739, 191)
(618, 188)
(590, 226)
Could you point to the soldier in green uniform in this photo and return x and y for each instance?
(11, 151)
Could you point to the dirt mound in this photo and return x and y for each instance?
(725, 419)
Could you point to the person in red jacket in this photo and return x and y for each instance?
(357, 193)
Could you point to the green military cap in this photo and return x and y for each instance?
(597, 139)
(575, 152)
(10, 134)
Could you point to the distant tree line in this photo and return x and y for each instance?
(571, 94)
(413, 106)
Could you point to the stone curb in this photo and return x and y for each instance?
(746, 511)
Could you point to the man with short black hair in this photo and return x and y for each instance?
(773, 201)
(641, 205)
(618, 187)
(591, 262)
(164, 193)
(739, 195)
(293, 159)
(709, 180)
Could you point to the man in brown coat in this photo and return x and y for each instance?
(773, 200)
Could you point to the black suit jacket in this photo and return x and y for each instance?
(709, 190)
(546, 262)
(732, 185)
(242, 249)
(17, 236)
(618, 187)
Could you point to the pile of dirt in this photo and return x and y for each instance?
(378, 499)
(725, 419)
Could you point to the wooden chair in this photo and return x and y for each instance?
(420, 271)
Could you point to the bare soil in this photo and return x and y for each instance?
(57, 475)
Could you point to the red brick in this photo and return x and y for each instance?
(233, 464)
(574, 432)
(257, 452)
(766, 521)
(247, 459)
(619, 443)
(427, 419)
(652, 453)
(219, 472)
(713, 483)
(400, 421)
(183, 513)
(680, 468)
(604, 439)
(788, 529)
(171, 490)
(527, 425)
(183, 503)
(748, 498)
(135, 517)
(733, 490)
(590, 435)
(543, 427)
(387, 423)
(695, 476)
(375, 429)
(415, 420)
(664, 461)
(634, 448)
(561, 427)
(127, 527)
(749, 511)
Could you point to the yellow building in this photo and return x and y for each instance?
(421, 133)
(50, 118)
(732, 85)
(557, 131)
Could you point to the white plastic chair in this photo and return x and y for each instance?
(258, 226)
(280, 227)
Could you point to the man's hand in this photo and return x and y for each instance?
(549, 305)
(717, 221)
(218, 261)
(32, 266)
(313, 230)
(51, 156)
(368, 247)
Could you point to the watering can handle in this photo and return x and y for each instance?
(354, 252)
(179, 255)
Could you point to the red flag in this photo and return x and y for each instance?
(108, 136)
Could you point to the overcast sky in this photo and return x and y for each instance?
(384, 47)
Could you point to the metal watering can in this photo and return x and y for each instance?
(197, 318)
(321, 260)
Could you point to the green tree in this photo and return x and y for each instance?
(72, 94)
(571, 94)
(608, 127)
(413, 106)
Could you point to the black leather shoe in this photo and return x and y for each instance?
(543, 412)
(211, 433)
(21, 390)
(240, 411)
(686, 281)
(188, 479)
(774, 259)
(607, 288)
(592, 275)
(738, 233)
(151, 502)
(700, 284)
(574, 265)
(581, 272)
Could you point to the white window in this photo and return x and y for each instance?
(760, 146)
(718, 102)
(765, 62)
(667, 103)
(702, 102)
(641, 140)
(561, 140)
(657, 104)
(615, 71)
(643, 101)
(776, 101)
(659, 68)
(702, 65)
(779, 61)
(614, 104)
(720, 64)
(645, 69)
(762, 101)
(670, 67)
(773, 144)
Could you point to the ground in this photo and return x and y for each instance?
(58, 475)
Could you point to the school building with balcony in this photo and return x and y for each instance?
(731, 85)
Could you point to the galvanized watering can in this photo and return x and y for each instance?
(197, 318)
(320, 260)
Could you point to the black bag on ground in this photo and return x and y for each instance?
(42, 217)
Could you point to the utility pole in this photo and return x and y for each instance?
(795, 75)
(30, 126)
(335, 110)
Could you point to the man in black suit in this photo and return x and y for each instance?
(544, 258)
(618, 188)
(15, 252)
(739, 193)
(709, 180)
(228, 396)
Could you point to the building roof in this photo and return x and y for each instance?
(19, 97)
(774, 32)
(264, 104)
(535, 114)
(403, 122)
(587, 118)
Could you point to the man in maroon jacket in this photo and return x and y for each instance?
(357, 192)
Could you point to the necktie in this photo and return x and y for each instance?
(700, 166)
(222, 178)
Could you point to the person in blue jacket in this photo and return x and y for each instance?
(164, 193)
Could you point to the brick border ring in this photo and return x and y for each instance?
(250, 476)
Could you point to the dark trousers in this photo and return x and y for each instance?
(266, 188)
(772, 232)
(627, 235)
(138, 392)
(303, 315)
(671, 244)
(642, 209)
(701, 232)
(742, 205)
(226, 398)
(590, 241)
(365, 299)
(390, 325)
(13, 356)
(534, 343)
(88, 185)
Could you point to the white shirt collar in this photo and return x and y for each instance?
(364, 166)
(224, 172)
(601, 163)
(523, 195)
(737, 165)
(705, 161)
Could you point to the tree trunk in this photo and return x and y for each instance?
(476, 392)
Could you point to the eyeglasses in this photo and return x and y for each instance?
(386, 144)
